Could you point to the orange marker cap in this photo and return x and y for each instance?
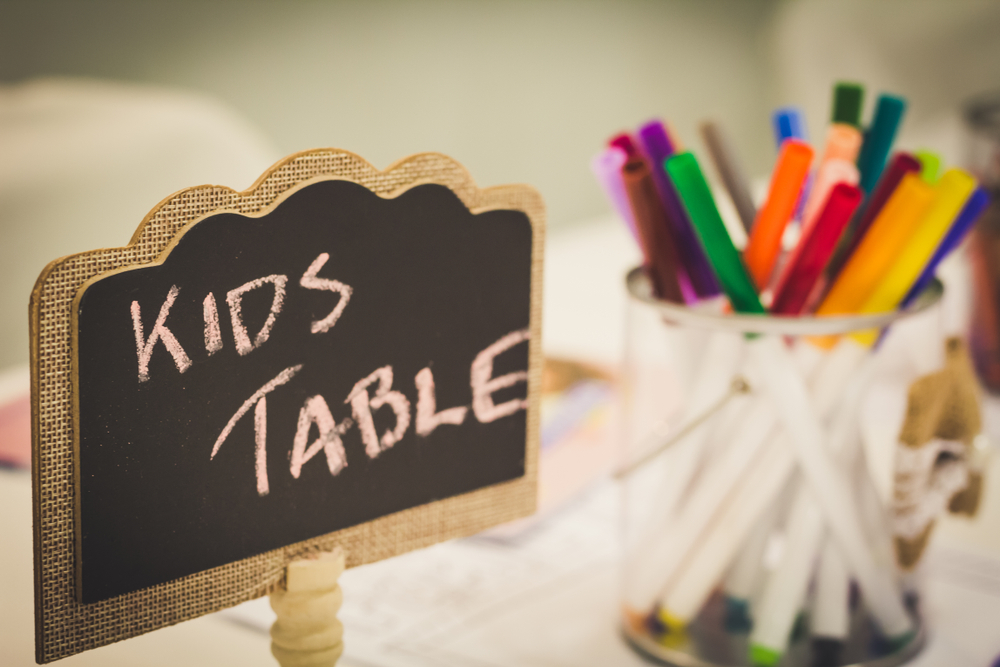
(790, 173)
(843, 142)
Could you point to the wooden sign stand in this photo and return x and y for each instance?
(307, 632)
(397, 313)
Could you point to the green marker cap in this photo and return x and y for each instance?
(763, 656)
(848, 98)
(930, 166)
(697, 198)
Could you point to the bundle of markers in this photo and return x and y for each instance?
(873, 227)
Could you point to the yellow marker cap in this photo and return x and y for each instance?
(676, 633)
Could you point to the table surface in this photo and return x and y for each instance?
(547, 596)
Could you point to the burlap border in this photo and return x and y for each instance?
(64, 626)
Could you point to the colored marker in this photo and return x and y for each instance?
(802, 542)
(713, 378)
(877, 250)
(831, 607)
(688, 179)
(878, 139)
(730, 171)
(607, 167)
(949, 197)
(811, 255)
(930, 165)
(785, 590)
(848, 100)
(900, 165)
(843, 142)
(785, 587)
(624, 141)
(784, 385)
(788, 123)
(659, 246)
(977, 203)
(830, 173)
(657, 147)
(789, 175)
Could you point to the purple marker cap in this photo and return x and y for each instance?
(657, 146)
(607, 167)
(973, 208)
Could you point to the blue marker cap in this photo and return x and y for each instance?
(976, 204)
(878, 139)
(789, 123)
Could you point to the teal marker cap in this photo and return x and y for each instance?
(696, 196)
(848, 99)
(878, 139)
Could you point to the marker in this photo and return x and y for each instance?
(731, 527)
(716, 368)
(790, 397)
(930, 165)
(746, 574)
(878, 139)
(785, 587)
(950, 195)
(789, 394)
(688, 179)
(831, 610)
(810, 256)
(951, 192)
(624, 141)
(977, 203)
(788, 123)
(785, 590)
(830, 173)
(658, 244)
(607, 167)
(877, 250)
(789, 174)
(843, 142)
(848, 100)
(829, 486)
(900, 165)
(657, 147)
(730, 171)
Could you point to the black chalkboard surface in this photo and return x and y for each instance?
(338, 359)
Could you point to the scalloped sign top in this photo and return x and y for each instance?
(274, 378)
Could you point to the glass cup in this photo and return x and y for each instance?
(742, 545)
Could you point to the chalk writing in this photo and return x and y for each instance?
(144, 346)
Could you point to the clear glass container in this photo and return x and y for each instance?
(741, 545)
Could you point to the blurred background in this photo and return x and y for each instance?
(108, 107)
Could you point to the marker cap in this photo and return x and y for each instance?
(848, 99)
(789, 174)
(878, 139)
(657, 146)
(789, 123)
(688, 179)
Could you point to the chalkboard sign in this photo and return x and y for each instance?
(339, 356)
